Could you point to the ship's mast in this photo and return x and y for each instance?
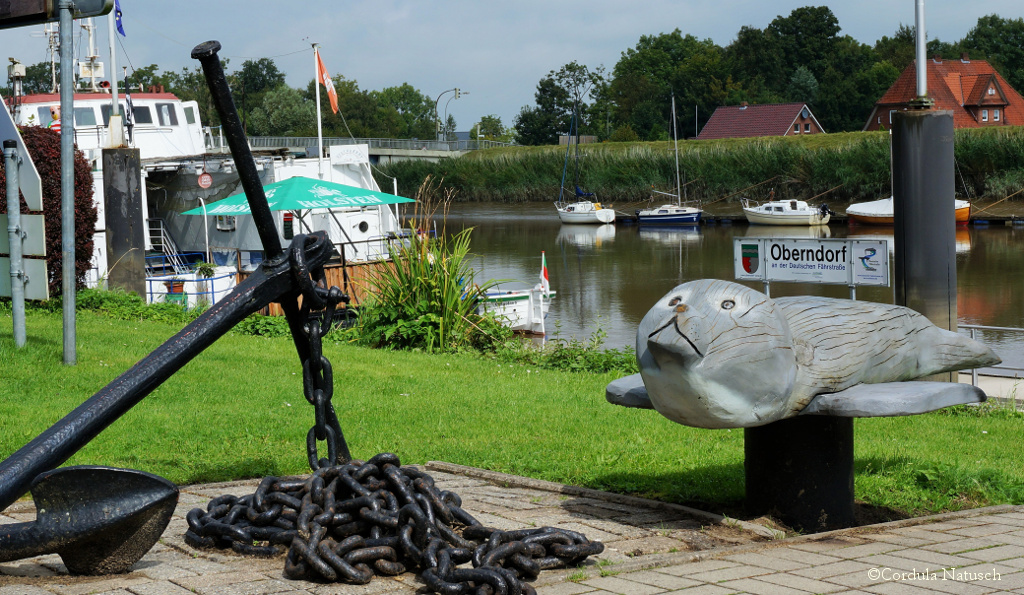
(93, 58)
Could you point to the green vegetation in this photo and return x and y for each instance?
(843, 167)
(237, 411)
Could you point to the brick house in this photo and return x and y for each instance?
(971, 89)
(774, 119)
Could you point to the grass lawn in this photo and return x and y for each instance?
(237, 411)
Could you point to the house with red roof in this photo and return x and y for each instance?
(971, 89)
(774, 119)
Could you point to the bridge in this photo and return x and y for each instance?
(382, 150)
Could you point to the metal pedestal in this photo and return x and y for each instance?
(800, 470)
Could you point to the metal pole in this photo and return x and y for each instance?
(922, 70)
(67, 178)
(113, 64)
(319, 124)
(206, 229)
(11, 159)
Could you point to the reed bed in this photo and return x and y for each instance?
(844, 167)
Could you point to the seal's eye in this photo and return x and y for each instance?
(674, 301)
(728, 305)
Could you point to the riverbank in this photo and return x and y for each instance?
(834, 168)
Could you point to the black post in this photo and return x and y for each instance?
(924, 220)
(801, 471)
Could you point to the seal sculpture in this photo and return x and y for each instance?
(717, 354)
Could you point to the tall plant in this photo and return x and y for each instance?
(427, 299)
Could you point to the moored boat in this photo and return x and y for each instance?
(678, 213)
(584, 211)
(880, 212)
(522, 310)
(785, 212)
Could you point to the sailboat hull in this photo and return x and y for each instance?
(669, 215)
(585, 212)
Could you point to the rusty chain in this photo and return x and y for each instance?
(318, 308)
(349, 522)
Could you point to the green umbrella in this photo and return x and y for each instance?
(300, 194)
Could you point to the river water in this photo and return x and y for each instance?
(607, 277)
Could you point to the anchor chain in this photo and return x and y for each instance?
(349, 522)
(319, 304)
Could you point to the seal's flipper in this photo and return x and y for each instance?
(891, 399)
(628, 391)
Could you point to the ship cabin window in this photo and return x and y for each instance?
(779, 209)
(165, 113)
(142, 114)
(105, 113)
(190, 115)
(85, 116)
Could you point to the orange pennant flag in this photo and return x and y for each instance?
(325, 80)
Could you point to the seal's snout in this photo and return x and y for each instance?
(669, 338)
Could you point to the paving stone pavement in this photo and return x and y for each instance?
(651, 548)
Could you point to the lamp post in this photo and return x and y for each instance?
(445, 120)
(437, 118)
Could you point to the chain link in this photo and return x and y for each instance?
(349, 522)
(319, 303)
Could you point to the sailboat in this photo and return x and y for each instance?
(671, 214)
(585, 209)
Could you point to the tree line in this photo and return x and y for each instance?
(802, 57)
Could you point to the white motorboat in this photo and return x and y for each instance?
(785, 212)
(522, 310)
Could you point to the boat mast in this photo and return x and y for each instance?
(565, 165)
(675, 139)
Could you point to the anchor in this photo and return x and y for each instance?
(102, 520)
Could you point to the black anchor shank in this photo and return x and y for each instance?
(220, 93)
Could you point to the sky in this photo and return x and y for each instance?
(495, 51)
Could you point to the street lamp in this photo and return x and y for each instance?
(445, 120)
(437, 119)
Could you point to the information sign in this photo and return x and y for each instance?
(838, 261)
(36, 288)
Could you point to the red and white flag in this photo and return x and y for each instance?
(545, 282)
(325, 80)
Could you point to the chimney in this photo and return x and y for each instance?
(937, 58)
(743, 105)
(965, 58)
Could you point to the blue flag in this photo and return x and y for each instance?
(117, 17)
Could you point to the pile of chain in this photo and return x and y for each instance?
(348, 522)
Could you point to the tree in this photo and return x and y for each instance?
(492, 129)
(1001, 41)
(541, 125)
(646, 77)
(897, 50)
(283, 112)
(803, 87)
(411, 112)
(448, 128)
(257, 76)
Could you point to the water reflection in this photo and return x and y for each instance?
(813, 232)
(669, 235)
(586, 235)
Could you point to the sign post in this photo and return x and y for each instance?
(837, 262)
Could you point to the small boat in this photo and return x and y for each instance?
(671, 214)
(880, 212)
(586, 209)
(522, 310)
(786, 212)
